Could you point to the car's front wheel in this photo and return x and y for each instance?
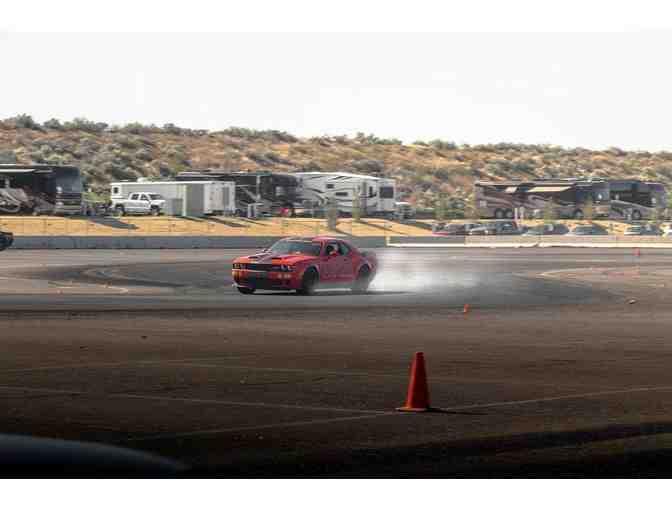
(308, 283)
(246, 290)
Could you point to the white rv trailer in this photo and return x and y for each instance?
(184, 198)
(377, 195)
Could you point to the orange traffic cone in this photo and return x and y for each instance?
(417, 400)
(466, 308)
(637, 252)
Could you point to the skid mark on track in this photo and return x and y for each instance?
(114, 364)
(195, 363)
(360, 414)
(448, 410)
(560, 397)
(303, 423)
(347, 373)
(188, 400)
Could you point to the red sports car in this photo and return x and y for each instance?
(302, 264)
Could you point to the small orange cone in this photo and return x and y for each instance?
(637, 252)
(417, 400)
(466, 308)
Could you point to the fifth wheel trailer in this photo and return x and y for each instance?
(40, 189)
(376, 195)
(184, 198)
(271, 193)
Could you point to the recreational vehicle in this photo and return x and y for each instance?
(375, 196)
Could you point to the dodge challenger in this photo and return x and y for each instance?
(304, 264)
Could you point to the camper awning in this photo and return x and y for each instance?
(548, 189)
(17, 170)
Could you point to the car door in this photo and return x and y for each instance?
(330, 263)
(132, 205)
(347, 268)
(145, 203)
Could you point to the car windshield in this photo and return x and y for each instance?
(295, 247)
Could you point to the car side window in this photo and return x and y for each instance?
(331, 248)
(343, 249)
(134, 196)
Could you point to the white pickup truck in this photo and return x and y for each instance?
(140, 204)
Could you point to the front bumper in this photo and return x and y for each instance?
(264, 280)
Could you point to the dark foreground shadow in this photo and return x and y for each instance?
(482, 457)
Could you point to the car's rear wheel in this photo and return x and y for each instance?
(509, 214)
(363, 281)
(636, 215)
(499, 214)
(246, 290)
(308, 283)
(578, 214)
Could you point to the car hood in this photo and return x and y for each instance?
(267, 258)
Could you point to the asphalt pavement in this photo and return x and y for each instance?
(155, 350)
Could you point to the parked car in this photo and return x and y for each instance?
(642, 230)
(588, 230)
(457, 229)
(139, 203)
(634, 230)
(547, 229)
(404, 211)
(6, 240)
(499, 228)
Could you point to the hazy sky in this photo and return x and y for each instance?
(589, 90)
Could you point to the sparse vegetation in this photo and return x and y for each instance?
(423, 169)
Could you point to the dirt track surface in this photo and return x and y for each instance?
(549, 374)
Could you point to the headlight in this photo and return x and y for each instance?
(59, 204)
(238, 266)
(284, 268)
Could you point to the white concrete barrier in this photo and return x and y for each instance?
(161, 242)
(531, 242)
